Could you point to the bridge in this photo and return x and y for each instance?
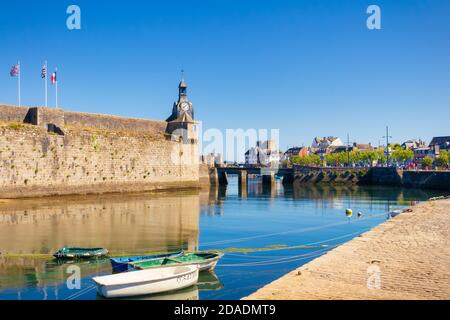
(268, 174)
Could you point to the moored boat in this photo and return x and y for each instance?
(203, 260)
(144, 282)
(80, 253)
(121, 264)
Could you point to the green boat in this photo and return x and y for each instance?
(203, 260)
(80, 253)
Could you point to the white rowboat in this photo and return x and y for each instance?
(149, 281)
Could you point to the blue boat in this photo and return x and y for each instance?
(122, 264)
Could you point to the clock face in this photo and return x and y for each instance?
(184, 106)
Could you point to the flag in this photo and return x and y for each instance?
(53, 78)
(15, 70)
(44, 72)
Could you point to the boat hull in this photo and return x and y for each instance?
(208, 265)
(146, 287)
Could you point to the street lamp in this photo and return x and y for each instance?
(387, 136)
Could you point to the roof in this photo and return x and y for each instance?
(329, 139)
(363, 146)
(294, 150)
(182, 84)
(440, 141)
(258, 151)
(340, 148)
(184, 117)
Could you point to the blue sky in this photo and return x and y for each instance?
(306, 67)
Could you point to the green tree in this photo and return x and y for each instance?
(312, 159)
(402, 155)
(395, 146)
(365, 157)
(331, 159)
(381, 156)
(445, 154)
(442, 160)
(427, 162)
(372, 156)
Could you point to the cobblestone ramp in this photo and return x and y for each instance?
(407, 257)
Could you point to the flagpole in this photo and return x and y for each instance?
(18, 80)
(56, 86)
(46, 76)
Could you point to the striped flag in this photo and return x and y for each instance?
(15, 70)
(44, 72)
(53, 78)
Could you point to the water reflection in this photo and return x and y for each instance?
(323, 196)
(131, 224)
(123, 224)
(143, 223)
(209, 281)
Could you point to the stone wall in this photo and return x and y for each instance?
(34, 162)
(312, 175)
(382, 176)
(45, 116)
(207, 174)
(12, 113)
(373, 176)
(427, 179)
(113, 123)
(42, 116)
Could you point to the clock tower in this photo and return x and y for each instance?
(183, 106)
(181, 121)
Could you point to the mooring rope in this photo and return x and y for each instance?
(80, 293)
(307, 246)
(291, 231)
(278, 261)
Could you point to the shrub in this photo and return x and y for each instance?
(427, 162)
(442, 160)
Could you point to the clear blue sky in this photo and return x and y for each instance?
(306, 67)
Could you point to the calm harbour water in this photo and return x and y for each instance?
(257, 229)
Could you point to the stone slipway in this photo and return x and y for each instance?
(411, 252)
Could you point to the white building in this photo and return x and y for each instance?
(265, 153)
(324, 143)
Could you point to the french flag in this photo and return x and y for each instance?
(53, 78)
